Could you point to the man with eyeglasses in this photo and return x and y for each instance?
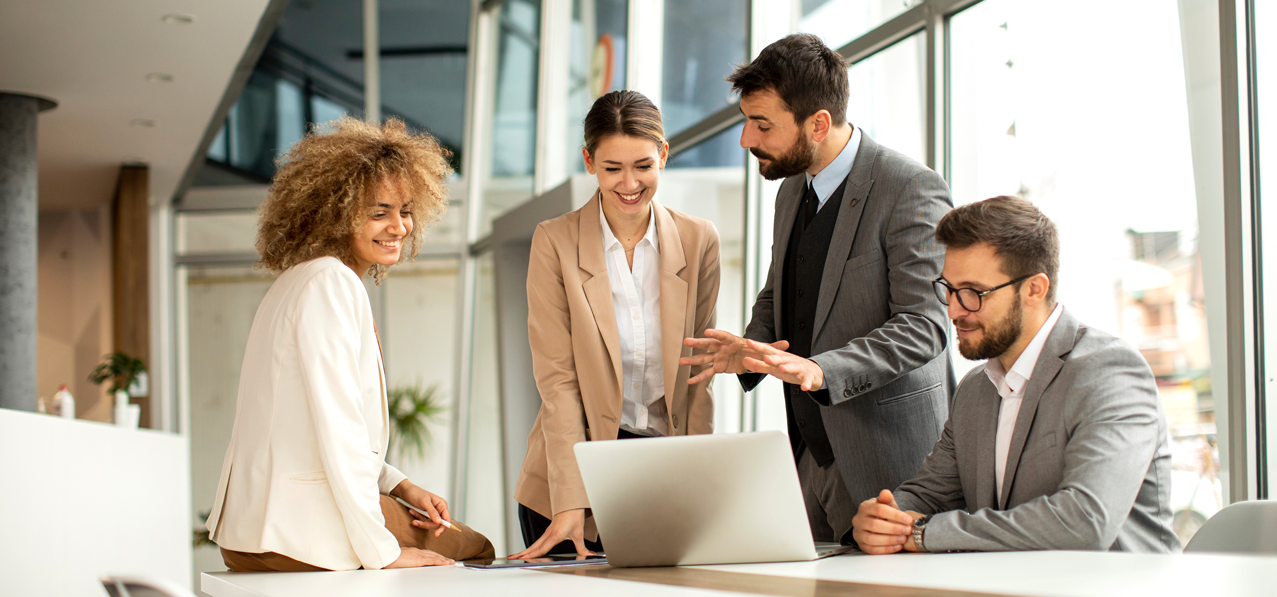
(1058, 441)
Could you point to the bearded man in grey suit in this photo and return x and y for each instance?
(846, 317)
(1058, 441)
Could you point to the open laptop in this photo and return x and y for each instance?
(701, 499)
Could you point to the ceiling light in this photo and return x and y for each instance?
(142, 123)
(176, 19)
(159, 78)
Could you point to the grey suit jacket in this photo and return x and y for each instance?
(880, 334)
(1089, 466)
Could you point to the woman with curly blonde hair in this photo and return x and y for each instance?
(305, 484)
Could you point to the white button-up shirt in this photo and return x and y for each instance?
(636, 300)
(1010, 385)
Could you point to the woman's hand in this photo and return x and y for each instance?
(436, 506)
(411, 557)
(568, 524)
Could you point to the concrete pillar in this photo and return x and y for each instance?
(18, 209)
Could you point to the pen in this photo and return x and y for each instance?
(424, 513)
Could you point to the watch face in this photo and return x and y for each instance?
(921, 522)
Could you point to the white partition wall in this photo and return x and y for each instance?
(83, 499)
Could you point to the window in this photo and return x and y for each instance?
(599, 50)
(887, 97)
(840, 21)
(514, 118)
(704, 40)
(1071, 131)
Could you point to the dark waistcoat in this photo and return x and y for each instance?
(804, 267)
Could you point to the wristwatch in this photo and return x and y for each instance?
(920, 527)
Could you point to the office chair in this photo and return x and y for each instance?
(1245, 527)
(139, 586)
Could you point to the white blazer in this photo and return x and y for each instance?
(306, 462)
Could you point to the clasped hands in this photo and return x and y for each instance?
(880, 527)
(730, 353)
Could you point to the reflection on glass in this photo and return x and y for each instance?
(418, 334)
(704, 41)
(1067, 131)
(887, 91)
(597, 63)
(720, 151)
(840, 21)
(718, 195)
(1265, 21)
(514, 121)
(216, 232)
(423, 66)
(485, 493)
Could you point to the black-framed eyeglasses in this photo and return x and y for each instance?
(970, 298)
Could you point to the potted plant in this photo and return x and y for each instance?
(125, 372)
(412, 409)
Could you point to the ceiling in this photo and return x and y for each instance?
(94, 58)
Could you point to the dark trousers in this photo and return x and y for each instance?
(534, 525)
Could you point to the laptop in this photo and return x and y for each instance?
(700, 499)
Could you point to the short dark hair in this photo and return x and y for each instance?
(623, 112)
(1021, 235)
(803, 71)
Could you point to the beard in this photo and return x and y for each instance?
(998, 337)
(796, 160)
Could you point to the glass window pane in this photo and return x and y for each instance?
(514, 121)
(485, 493)
(216, 232)
(423, 66)
(597, 64)
(717, 193)
(1265, 21)
(1069, 131)
(418, 335)
(704, 41)
(840, 21)
(887, 91)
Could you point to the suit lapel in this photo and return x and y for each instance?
(854, 197)
(1059, 343)
(788, 199)
(986, 424)
(673, 302)
(598, 290)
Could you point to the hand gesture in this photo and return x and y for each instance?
(725, 350)
(568, 524)
(787, 367)
(879, 526)
(436, 506)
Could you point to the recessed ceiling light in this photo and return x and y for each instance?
(176, 19)
(159, 78)
(142, 122)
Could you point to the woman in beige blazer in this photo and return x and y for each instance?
(613, 289)
(302, 484)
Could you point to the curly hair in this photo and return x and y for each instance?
(326, 185)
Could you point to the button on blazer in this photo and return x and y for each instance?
(306, 464)
(576, 356)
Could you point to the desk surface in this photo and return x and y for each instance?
(1030, 574)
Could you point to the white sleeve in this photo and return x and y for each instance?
(328, 338)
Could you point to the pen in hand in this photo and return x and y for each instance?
(443, 522)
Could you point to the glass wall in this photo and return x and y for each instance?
(888, 97)
(840, 21)
(1071, 131)
(1264, 57)
(509, 176)
(599, 48)
(703, 42)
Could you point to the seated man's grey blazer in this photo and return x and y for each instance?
(1089, 466)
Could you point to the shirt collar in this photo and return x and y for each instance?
(1022, 370)
(610, 239)
(828, 180)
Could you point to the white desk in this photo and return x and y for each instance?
(1033, 574)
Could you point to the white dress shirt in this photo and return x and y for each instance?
(636, 300)
(1010, 385)
(828, 180)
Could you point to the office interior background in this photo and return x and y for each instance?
(1138, 126)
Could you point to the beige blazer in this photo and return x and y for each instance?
(306, 462)
(576, 355)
